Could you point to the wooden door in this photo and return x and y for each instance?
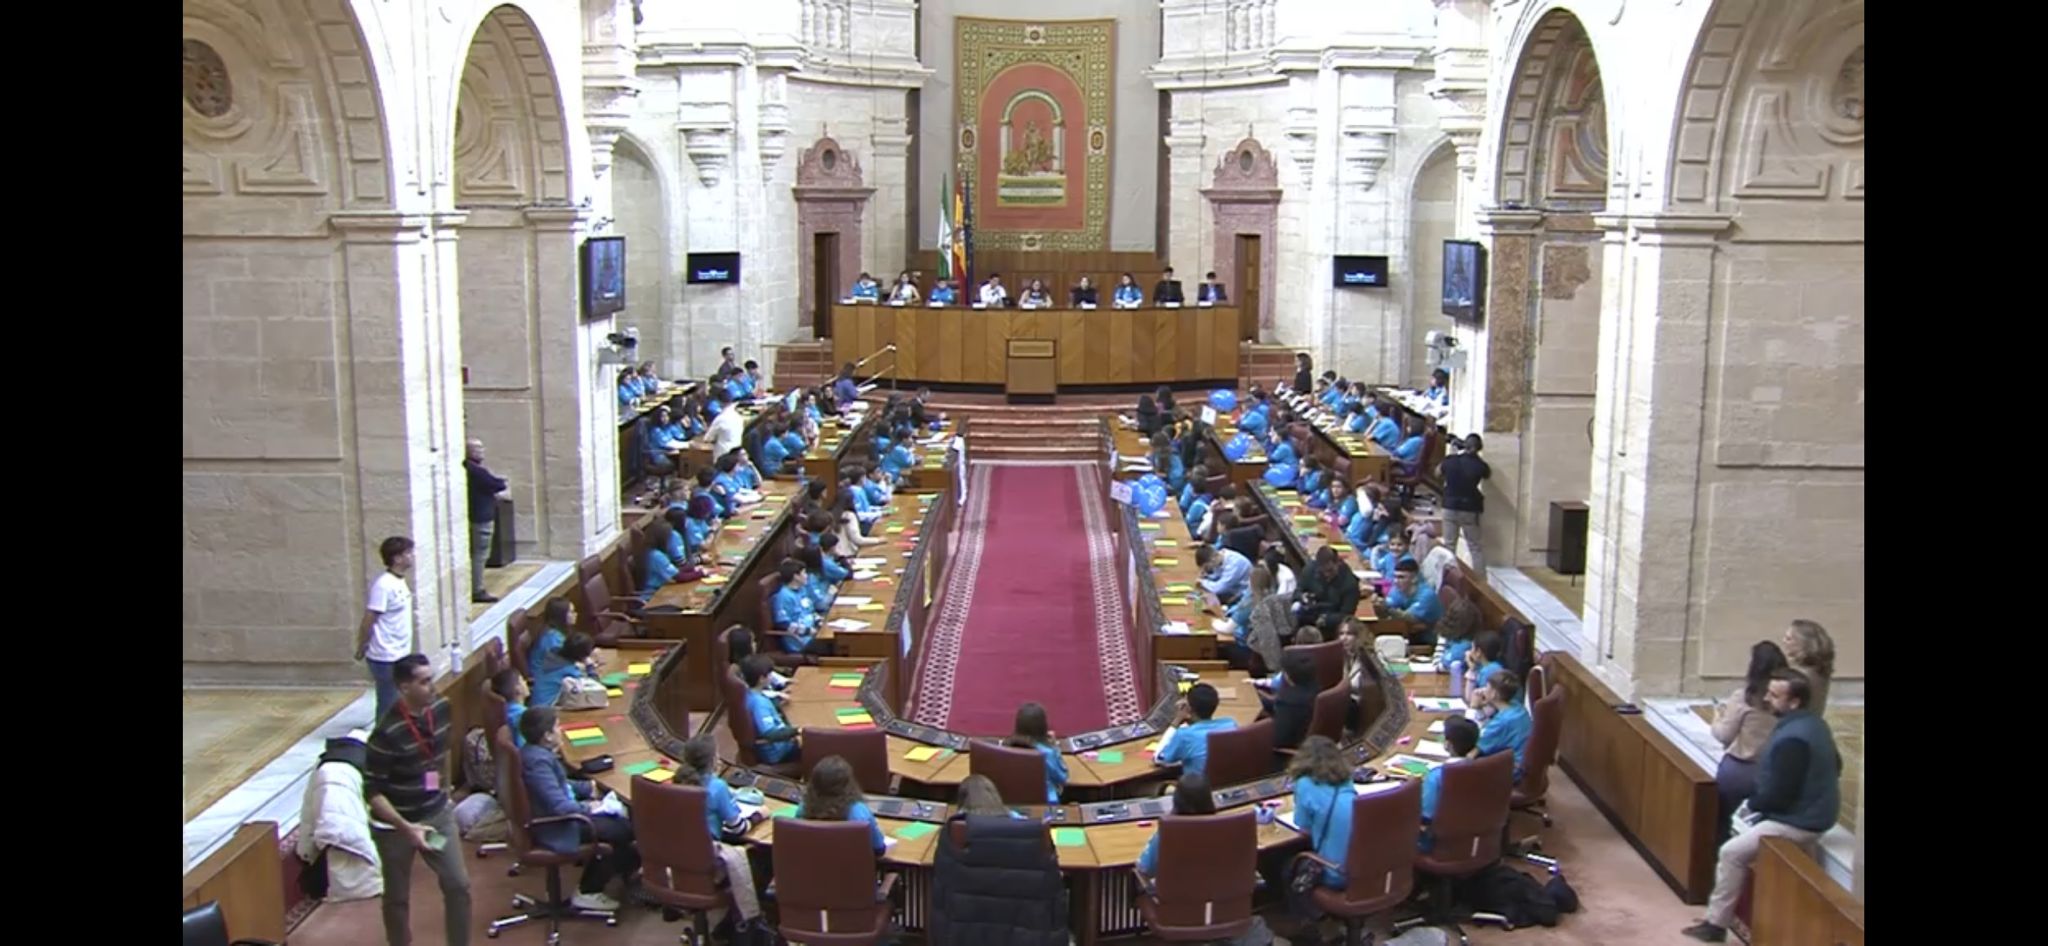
(824, 281)
(1247, 287)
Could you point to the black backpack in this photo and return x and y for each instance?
(1516, 898)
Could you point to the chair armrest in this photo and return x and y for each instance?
(1144, 883)
(1313, 856)
(576, 817)
(886, 888)
(1285, 752)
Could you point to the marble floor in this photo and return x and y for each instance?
(231, 733)
(1569, 590)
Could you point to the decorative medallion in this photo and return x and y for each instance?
(830, 159)
(1245, 159)
(967, 139)
(1098, 140)
(207, 88)
(1034, 35)
(1848, 88)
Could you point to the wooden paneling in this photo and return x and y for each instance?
(1653, 792)
(1793, 902)
(1099, 347)
(246, 876)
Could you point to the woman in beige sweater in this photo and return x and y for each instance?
(1743, 723)
(1812, 652)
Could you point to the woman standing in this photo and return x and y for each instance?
(1743, 723)
(1810, 650)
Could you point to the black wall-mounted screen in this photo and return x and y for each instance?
(1464, 281)
(712, 268)
(604, 276)
(1356, 272)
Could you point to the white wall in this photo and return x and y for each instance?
(1134, 155)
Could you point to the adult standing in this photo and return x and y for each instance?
(409, 805)
(485, 489)
(1798, 797)
(1462, 472)
(385, 636)
(1810, 650)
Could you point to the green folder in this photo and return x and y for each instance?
(640, 768)
(1069, 837)
(613, 679)
(1111, 757)
(783, 811)
(915, 830)
(596, 740)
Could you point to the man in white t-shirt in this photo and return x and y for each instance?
(727, 429)
(386, 632)
(993, 294)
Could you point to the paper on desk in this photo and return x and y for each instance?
(853, 600)
(1439, 704)
(870, 561)
(1175, 627)
(610, 805)
(1436, 728)
(866, 576)
(922, 754)
(847, 624)
(1433, 749)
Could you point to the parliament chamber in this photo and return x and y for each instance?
(1455, 402)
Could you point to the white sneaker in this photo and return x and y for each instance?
(594, 901)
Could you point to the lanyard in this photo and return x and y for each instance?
(426, 750)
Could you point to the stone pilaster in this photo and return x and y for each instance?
(890, 168)
(1656, 298)
(1184, 226)
(578, 457)
(1511, 237)
(405, 375)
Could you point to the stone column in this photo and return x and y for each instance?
(1185, 232)
(1511, 237)
(405, 388)
(890, 170)
(579, 458)
(1655, 302)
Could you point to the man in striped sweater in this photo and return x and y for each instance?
(409, 807)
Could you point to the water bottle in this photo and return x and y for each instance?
(1458, 679)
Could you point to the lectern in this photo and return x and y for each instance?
(1033, 369)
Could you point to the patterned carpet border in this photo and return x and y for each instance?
(933, 686)
(1112, 643)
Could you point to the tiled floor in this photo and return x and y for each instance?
(229, 734)
(1623, 900)
(1569, 590)
(1847, 723)
(501, 582)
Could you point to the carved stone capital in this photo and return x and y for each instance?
(1300, 132)
(1365, 144)
(707, 131)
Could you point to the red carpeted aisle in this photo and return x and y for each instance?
(1030, 608)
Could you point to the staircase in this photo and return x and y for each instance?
(801, 365)
(1034, 433)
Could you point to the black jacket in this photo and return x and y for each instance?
(1078, 295)
(1292, 707)
(1002, 888)
(1462, 473)
(1166, 290)
(1336, 596)
(484, 488)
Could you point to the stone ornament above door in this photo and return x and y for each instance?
(1246, 166)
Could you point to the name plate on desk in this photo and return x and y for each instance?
(981, 305)
(935, 304)
(1169, 305)
(1087, 306)
(898, 303)
(1206, 304)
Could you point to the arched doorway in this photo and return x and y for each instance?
(642, 218)
(1433, 218)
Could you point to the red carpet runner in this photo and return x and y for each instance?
(1030, 608)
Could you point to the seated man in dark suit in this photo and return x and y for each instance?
(1168, 289)
(1292, 706)
(1211, 291)
(1083, 292)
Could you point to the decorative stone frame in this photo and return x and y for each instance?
(831, 197)
(1244, 198)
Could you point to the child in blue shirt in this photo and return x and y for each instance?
(1282, 465)
(774, 739)
(1322, 803)
(1482, 659)
(1461, 737)
(1314, 483)
(721, 806)
(1033, 732)
(877, 487)
(1387, 556)
(659, 569)
(1508, 729)
(1187, 743)
(819, 589)
(773, 450)
(700, 521)
(1191, 796)
(792, 610)
(1414, 599)
(1409, 450)
(1341, 504)
(830, 794)
(1385, 431)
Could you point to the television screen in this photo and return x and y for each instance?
(1464, 280)
(604, 276)
(712, 268)
(1361, 271)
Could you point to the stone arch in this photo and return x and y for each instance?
(1431, 186)
(1554, 141)
(507, 80)
(641, 199)
(292, 108)
(1770, 106)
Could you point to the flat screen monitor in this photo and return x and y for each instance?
(1361, 272)
(1464, 280)
(604, 276)
(712, 268)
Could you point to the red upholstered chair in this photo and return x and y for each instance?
(1546, 726)
(1471, 817)
(768, 640)
(733, 693)
(1410, 478)
(1242, 754)
(521, 629)
(1536, 684)
(677, 867)
(519, 824)
(1019, 774)
(605, 618)
(1326, 716)
(825, 884)
(866, 750)
(1379, 861)
(205, 925)
(1208, 870)
(1329, 658)
(592, 564)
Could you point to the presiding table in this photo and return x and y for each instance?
(1105, 346)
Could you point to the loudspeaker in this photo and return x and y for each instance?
(503, 539)
(1567, 551)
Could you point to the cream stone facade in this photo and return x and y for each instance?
(380, 196)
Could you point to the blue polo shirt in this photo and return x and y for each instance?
(768, 718)
(1323, 813)
(1189, 745)
(1507, 730)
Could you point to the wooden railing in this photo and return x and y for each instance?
(1793, 902)
(246, 877)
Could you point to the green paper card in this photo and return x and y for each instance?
(596, 740)
(915, 830)
(613, 679)
(1110, 757)
(640, 768)
(783, 811)
(1069, 837)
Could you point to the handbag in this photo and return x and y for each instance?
(1304, 876)
(582, 693)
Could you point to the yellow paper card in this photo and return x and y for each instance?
(892, 530)
(614, 691)
(1167, 544)
(922, 754)
(849, 718)
(1166, 562)
(872, 606)
(640, 669)
(736, 528)
(584, 733)
(658, 774)
(715, 579)
(849, 684)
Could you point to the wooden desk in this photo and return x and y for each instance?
(1095, 347)
(745, 548)
(1368, 460)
